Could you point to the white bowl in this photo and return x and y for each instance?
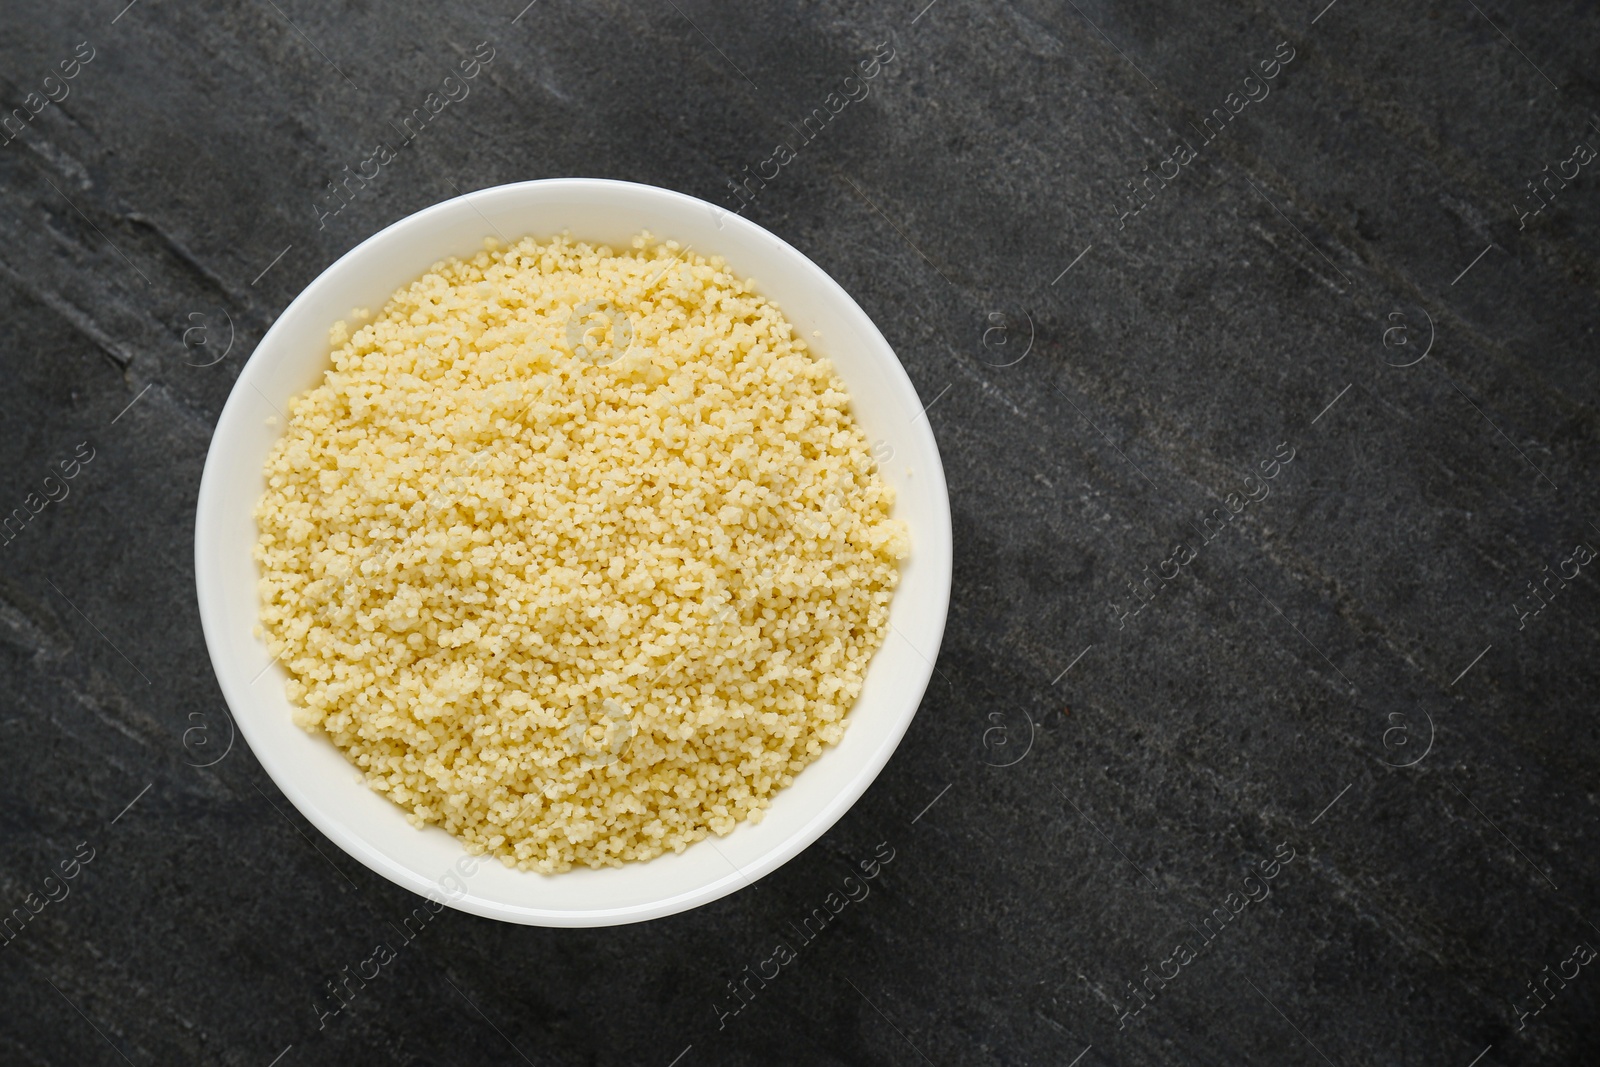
(317, 778)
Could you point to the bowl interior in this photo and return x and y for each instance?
(316, 777)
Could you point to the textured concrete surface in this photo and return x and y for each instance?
(1138, 714)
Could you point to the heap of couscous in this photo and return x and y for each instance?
(577, 553)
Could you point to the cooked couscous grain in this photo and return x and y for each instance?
(576, 553)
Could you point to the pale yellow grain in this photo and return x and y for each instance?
(485, 560)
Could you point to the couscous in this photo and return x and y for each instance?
(577, 553)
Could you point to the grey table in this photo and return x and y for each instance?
(1259, 344)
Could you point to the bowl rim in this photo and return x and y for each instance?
(276, 764)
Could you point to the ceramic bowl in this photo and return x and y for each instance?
(316, 777)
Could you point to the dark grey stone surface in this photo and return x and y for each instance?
(1361, 616)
